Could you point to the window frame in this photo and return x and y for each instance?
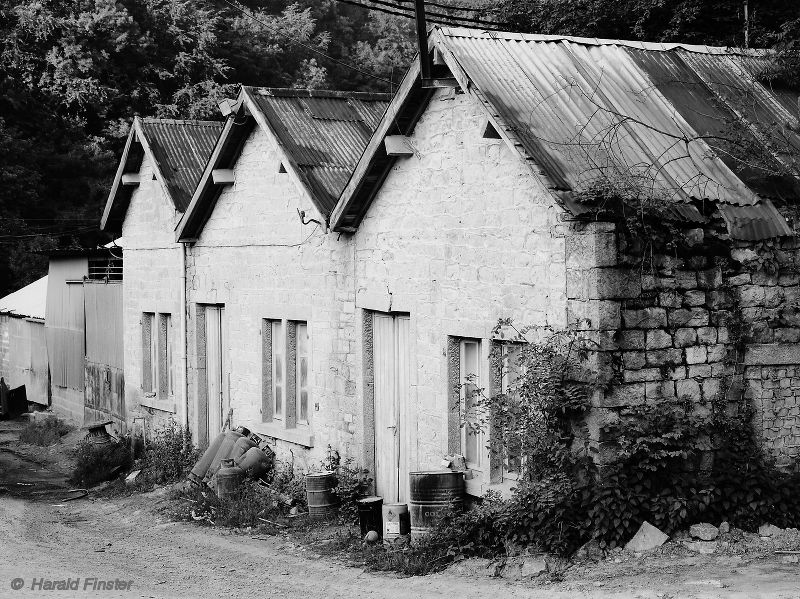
(296, 358)
(503, 347)
(483, 462)
(278, 356)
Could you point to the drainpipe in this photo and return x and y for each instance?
(184, 339)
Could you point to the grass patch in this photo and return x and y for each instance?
(96, 463)
(44, 432)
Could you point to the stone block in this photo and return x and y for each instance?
(751, 295)
(593, 314)
(693, 317)
(659, 390)
(662, 357)
(699, 371)
(649, 318)
(634, 360)
(658, 339)
(694, 298)
(787, 335)
(596, 249)
(685, 337)
(686, 279)
(773, 297)
(642, 376)
(707, 335)
(688, 388)
(704, 531)
(646, 538)
(762, 277)
(740, 279)
(710, 388)
(696, 354)
(669, 299)
(631, 340)
(789, 280)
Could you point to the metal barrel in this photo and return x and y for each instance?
(322, 500)
(396, 523)
(369, 514)
(433, 494)
(229, 478)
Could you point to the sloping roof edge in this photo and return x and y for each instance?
(136, 147)
(28, 302)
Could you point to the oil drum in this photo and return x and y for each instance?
(322, 499)
(229, 478)
(433, 494)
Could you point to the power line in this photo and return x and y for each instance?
(432, 16)
(247, 13)
(448, 6)
(445, 15)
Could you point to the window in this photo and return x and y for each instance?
(301, 378)
(510, 379)
(286, 392)
(149, 353)
(278, 370)
(157, 359)
(470, 379)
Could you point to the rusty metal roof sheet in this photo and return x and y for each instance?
(323, 132)
(751, 223)
(653, 118)
(181, 149)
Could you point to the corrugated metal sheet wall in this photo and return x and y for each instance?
(64, 322)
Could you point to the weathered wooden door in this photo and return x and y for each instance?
(391, 363)
(216, 383)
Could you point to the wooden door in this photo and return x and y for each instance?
(391, 363)
(215, 370)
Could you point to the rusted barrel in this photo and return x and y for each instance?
(396, 524)
(433, 494)
(322, 500)
(229, 479)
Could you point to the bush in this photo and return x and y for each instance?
(44, 432)
(353, 483)
(95, 463)
(170, 455)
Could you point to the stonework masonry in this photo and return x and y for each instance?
(695, 327)
(152, 271)
(459, 235)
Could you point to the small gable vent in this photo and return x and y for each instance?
(489, 132)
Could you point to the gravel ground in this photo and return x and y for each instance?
(129, 539)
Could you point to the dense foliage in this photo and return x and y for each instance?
(672, 463)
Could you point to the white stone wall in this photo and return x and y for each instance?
(459, 236)
(152, 271)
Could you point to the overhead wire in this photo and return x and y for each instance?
(433, 17)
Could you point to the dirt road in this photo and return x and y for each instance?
(126, 539)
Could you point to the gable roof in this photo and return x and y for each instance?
(178, 149)
(321, 134)
(28, 302)
(581, 110)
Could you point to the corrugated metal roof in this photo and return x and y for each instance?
(28, 302)
(324, 133)
(181, 149)
(647, 116)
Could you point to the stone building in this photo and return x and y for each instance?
(156, 177)
(347, 263)
(500, 189)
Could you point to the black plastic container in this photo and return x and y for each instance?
(369, 515)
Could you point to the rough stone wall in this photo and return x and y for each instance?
(256, 258)
(691, 327)
(459, 236)
(152, 273)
